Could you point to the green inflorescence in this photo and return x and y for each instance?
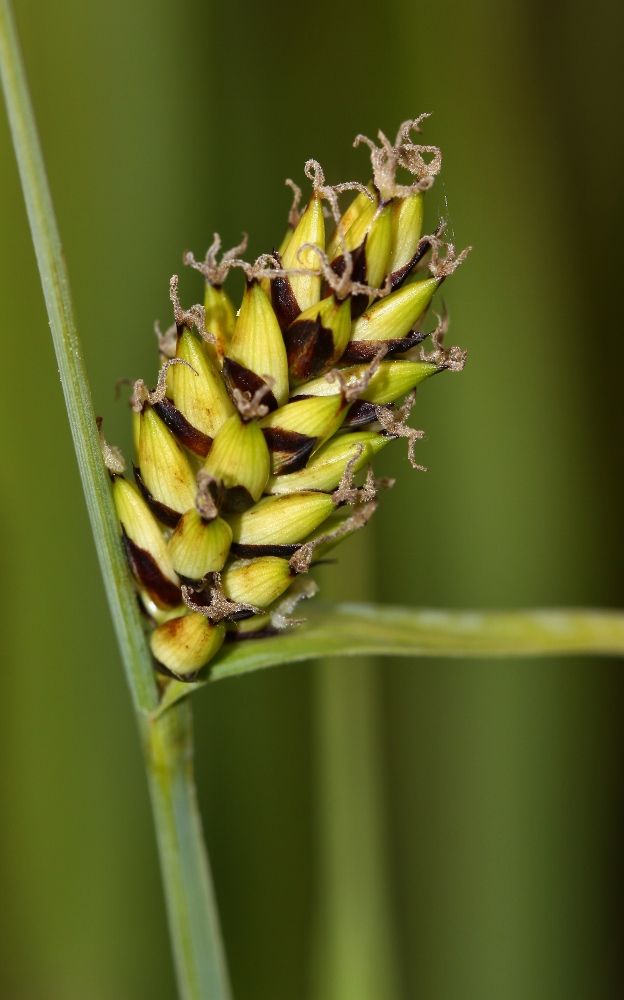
(253, 451)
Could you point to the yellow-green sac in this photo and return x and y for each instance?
(200, 394)
(279, 520)
(368, 239)
(220, 321)
(184, 645)
(391, 321)
(361, 203)
(257, 354)
(239, 459)
(356, 232)
(326, 468)
(407, 220)
(337, 527)
(317, 338)
(145, 546)
(391, 380)
(299, 292)
(297, 430)
(198, 547)
(258, 582)
(164, 470)
(377, 248)
(155, 613)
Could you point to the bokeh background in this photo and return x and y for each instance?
(497, 812)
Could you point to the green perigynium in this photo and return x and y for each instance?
(248, 448)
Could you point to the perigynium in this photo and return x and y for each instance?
(253, 451)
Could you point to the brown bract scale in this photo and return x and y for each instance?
(193, 439)
(250, 462)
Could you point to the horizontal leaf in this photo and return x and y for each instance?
(369, 629)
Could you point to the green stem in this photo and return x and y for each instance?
(353, 947)
(193, 916)
(192, 913)
(353, 953)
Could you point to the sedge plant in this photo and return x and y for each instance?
(253, 460)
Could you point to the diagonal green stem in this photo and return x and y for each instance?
(167, 741)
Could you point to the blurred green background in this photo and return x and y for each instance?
(501, 782)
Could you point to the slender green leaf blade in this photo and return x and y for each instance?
(375, 630)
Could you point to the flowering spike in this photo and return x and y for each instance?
(339, 322)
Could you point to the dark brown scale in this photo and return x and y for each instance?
(263, 633)
(359, 351)
(146, 570)
(290, 450)
(285, 305)
(166, 515)
(310, 349)
(197, 442)
(359, 303)
(397, 278)
(359, 413)
(236, 500)
(240, 616)
(241, 378)
(254, 551)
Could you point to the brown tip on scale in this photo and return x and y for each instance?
(194, 440)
